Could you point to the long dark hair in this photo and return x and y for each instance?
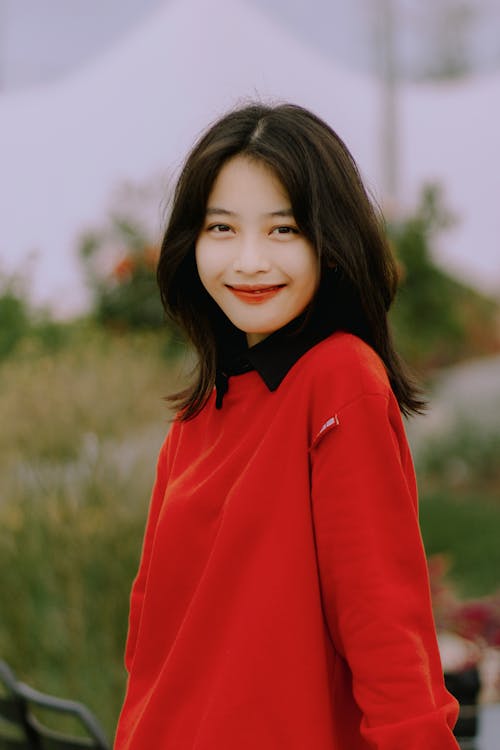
(359, 275)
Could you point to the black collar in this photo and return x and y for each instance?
(272, 357)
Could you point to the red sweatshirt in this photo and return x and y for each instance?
(282, 599)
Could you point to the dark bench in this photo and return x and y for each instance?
(21, 727)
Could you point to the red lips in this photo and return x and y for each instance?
(254, 287)
(255, 294)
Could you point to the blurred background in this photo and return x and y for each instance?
(99, 103)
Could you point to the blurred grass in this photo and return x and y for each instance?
(98, 384)
(465, 459)
(459, 480)
(466, 528)
(80, 429)
(67, 560)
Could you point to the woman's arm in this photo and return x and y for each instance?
(374, 578)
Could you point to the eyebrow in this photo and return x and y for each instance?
(225, 212)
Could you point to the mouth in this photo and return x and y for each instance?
(255, 294)
(254, 289)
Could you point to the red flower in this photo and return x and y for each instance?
(479, 620)
(124, 270)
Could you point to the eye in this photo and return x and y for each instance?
(285, 230)
(219, 228)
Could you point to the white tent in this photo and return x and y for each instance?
(135, 111)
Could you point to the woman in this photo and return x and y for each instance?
(282, 599)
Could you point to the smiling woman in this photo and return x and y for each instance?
(254, 259)
(282, 598)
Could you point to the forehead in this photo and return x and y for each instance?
(246, 180)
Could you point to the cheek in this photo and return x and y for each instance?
(307, 270)
(203, 264)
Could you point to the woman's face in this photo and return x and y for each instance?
(251, 257)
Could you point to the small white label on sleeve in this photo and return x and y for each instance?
(331, 422)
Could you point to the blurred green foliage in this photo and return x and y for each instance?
(120, 264)
(19, 322)
(80, 429)
(103, 384)
(68, 552)
(464, 528)
(437, 320)
(14, 316)
(466, 459)
(458, 472)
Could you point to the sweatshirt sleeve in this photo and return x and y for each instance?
(374, 579)
(139, 584)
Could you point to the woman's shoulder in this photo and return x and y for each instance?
(345, 367)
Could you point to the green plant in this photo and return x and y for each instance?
(14, 315)
(125, 296)
(119, 259)
(437, 320)
(465, 528)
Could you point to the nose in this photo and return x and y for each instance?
(250, 257)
